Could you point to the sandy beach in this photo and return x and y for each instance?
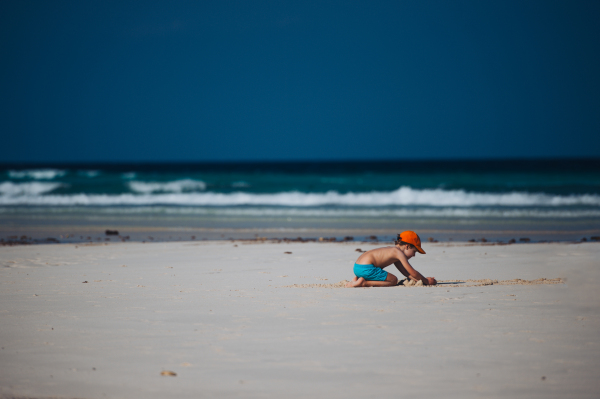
(250, 319)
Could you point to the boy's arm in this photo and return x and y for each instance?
(407, 270)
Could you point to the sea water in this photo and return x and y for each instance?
(549, 199)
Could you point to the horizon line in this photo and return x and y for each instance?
(296, 161)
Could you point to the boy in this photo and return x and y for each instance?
(369, 266)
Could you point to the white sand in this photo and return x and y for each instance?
(221, 319)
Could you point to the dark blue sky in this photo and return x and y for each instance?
(275, 80)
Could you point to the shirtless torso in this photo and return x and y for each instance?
(382, 257)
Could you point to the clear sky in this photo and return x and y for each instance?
(298, 80)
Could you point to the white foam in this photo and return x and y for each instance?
(37, 174)
(387, 213)
(178, 186)
(177, 193)
(279, 212)
(25, 190)
(323, 213)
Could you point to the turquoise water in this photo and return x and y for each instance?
(543, 196)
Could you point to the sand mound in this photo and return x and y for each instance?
(411, 283)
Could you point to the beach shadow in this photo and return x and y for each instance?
(451, 282)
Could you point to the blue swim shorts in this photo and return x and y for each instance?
(370, 272)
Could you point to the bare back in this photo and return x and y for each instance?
(381, 257)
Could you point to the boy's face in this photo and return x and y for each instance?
(409, 251)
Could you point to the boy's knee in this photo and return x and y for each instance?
(392, 279)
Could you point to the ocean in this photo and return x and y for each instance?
(483, 200)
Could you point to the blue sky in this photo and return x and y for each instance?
(305, 80)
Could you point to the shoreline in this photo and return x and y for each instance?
(78, 234)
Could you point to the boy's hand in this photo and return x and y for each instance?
(431, 281)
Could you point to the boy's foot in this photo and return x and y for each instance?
(350, 284)
(356, 282)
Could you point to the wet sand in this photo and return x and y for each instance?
(84, 224)
(262, 320)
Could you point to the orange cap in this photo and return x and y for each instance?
(412, 238)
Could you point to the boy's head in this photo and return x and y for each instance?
(410, 238)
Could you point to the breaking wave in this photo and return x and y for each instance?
(36, 174)
(19, 191)
(178, 193)
(178, 186)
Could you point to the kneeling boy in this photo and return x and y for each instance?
(368, 268)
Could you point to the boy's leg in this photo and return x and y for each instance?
(390, 281)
